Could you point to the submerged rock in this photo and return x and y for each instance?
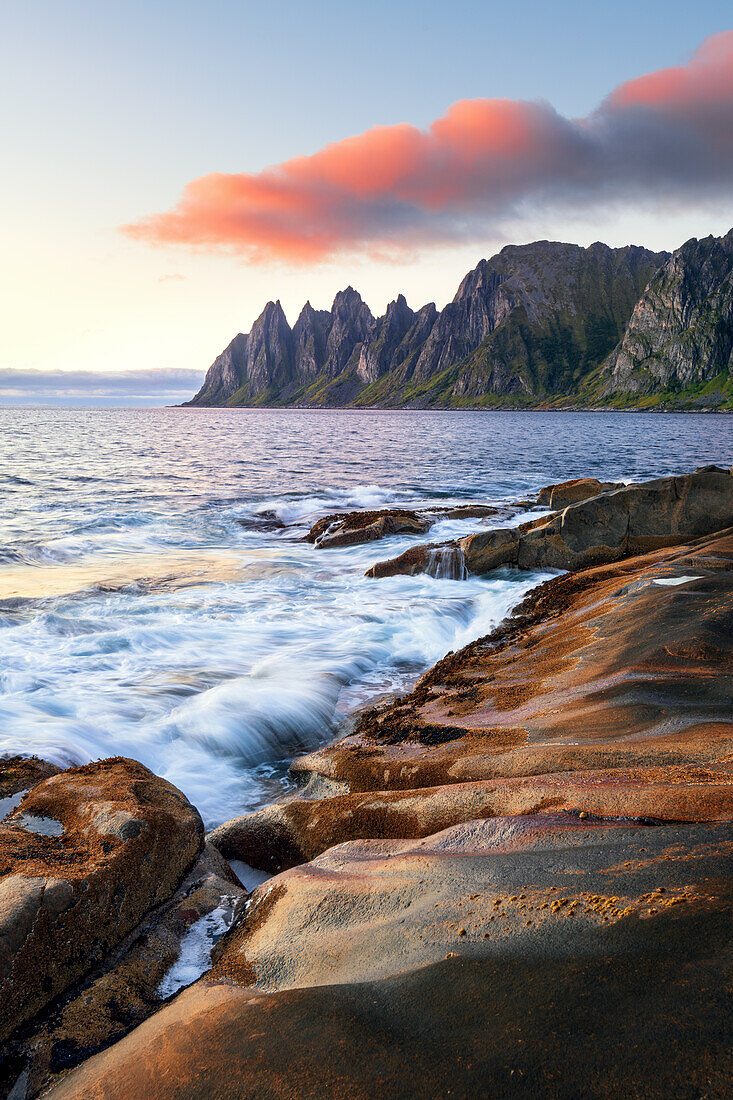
(70, 894)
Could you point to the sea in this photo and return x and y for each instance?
(158, 600)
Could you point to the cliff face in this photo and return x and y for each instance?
(681, 330)
(539, 324)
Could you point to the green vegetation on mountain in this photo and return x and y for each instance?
(545, 325)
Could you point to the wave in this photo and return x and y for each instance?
(204, 685)
(293, 509)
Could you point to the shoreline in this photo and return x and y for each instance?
(441, 409)
(543, 824)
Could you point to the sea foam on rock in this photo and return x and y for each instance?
(605, 693)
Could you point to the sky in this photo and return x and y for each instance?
(170, 166)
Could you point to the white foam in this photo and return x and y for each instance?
(446, 563)
(205, 684)
(194, 957)
(249, 877)
(296, 509)
(672, 581)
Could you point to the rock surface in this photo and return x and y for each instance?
(521, 881)
(572, 492)
(169, 946)
(606, 693)
(605, 528)
(83, 858)
(351, 528)
(18, 774)
(535, 957)
(680, 333)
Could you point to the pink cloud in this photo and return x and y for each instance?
(398, 187)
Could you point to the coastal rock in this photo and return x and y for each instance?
(18, 774)
(572, 492)
(605, 528)
(83, 858)
(515, 862)
(167, 950)
(352, 528)
(528, 949)
(290, 833)
(411, 562)
(607, 692)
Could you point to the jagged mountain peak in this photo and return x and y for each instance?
(273, 313)
(347, 299)
(534, 323)
(398, 310)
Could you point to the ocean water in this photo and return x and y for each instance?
(157, 599)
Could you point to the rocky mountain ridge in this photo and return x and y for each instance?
(539, 325)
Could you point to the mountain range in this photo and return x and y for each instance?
(543, 325)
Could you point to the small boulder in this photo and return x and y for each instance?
(353, 528)
(165, 952)
(572, 492)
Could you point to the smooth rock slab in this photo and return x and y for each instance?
(605, 669)
(549, 958)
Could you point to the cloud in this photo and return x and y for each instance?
(666, 135)
(172, 278)
(87, 387)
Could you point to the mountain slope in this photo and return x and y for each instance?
(680, 334)
(545, 324)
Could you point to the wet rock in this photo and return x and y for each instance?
(287, 834)
(356, 527)
(20, 773)
(121, 842)
(350, 976)
(172, 944)
(518, 861)
(605, 528)
(409, 563)
(350, 528)
(606, 692)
